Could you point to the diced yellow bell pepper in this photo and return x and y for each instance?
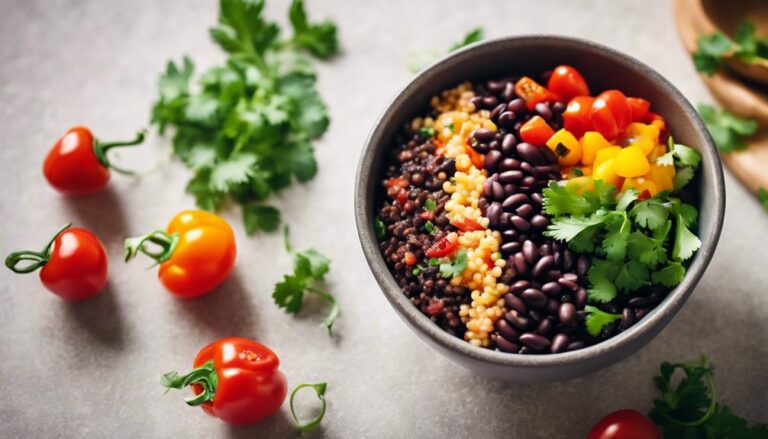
(665, 176)
(644, 143)
(640, 184)
(566, 147)
(605, 154)
(592, 142)
(631, 162)
(638, 130)
(581, 184)
(605, 171)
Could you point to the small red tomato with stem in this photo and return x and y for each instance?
(625, 424)
(196, 252)
(567, 83)
(73, 264)
(610, 113)
(77, 164)
(234, 379)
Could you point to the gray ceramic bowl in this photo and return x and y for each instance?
(604, 68)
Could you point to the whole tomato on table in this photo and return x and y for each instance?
(625, 424)
(234, 379)
(73, 264)
(77, 164)
(196, 252)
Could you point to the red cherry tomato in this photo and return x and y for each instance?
(576, 116)
(536, 131)
(567, 83)
(77, 164)
(443, 247)
(625, 424)
(532, 92)
(610, 113)
(467, 225)
(638, 108)
(234, 379)
(74, 264)
(197, 252)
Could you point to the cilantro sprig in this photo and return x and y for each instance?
(745, 46)
(688, 407)
(246, 128)
(729, 132)
(309, 270)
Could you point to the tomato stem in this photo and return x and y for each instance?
(37, 259)
(166, 242)
(314, 423)
(101, 149)
(205, 376)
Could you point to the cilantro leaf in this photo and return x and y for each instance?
(615, 242)
(649, 213)
(206, 198)
(651, 251)
(626, 199)
(319, 39)
(631, 276)
(601, 275)
(686, 243)
(598, 319)
(566, 228)
(260, 218)
(472, 36)
(456, 268)
(231, 172)
(710, 51)
(584, 242)
(669, 276)
(380, 228)
(750, 46)
(558, 200)
(430, 205)
(728, 131)
(429, 227)
(682, 177)
(309, 267)
(685, 155)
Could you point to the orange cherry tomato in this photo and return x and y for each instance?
(567, 83)
(638, 108)
(467, 224)
(536, 131)
(576, 116)
(532, 92)
(77, 164)
(234, 379)
(610, 113)
(196, 252)
(74, 264)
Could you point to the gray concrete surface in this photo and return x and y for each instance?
(90, 370)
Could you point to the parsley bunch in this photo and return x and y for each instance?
(633, 243)
(309, 269)
(728, 131)
(745, 46)
(689, 409)
(245, 129)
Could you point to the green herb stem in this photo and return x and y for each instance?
(319, 388)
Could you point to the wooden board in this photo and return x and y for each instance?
(730, 87)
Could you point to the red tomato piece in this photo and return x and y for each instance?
(610, 113)
(441, 248)
(576, 116)
(77, 164)
(236, 380)
(638, 108)
(625, 424)
(467, 225)
(74, 264)
(532, 92)
(567, 83)
(536, 131)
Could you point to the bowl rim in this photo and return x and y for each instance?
(660, 315)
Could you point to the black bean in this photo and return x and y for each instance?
(490, 101)
(507, 346)
(551, 288)
(567, 260)
(508, 144)
(498, 110)
(571, 285)
(536, 315)
(509, 164)
(549, 155)
(530, 252)
(482, 148)
(514, 200)
(553, 275)
(558, 107)
(546, 326)
(520, 265)
(545, 249)
(509, 248)
(493, 213)
(520, 223)
(543, 110)
(542, 172)
(506, 330)
(498, 190)
(641, 312)
(627, 319)
(507, 119)
(509, 92)
(504, 222)
(509, 235)
(553, 306)
(525, 211)
(518, 287)
(539, 222)
(483, 134)
(492, 160)
(581, 298)
(495, 86)
(526, 167)
(517, 105)
(643, 301)
(575, 345)
(494, 145)
(566, 314)
(514, 302)
(559, 343)
(530, 153)
(510, 176)
(535, 341)
(543, 265)
(537, 199)
(516, 319)
(534, 298)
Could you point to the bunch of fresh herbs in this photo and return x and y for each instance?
(245, 128)
(745, 46)
(728, 131)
